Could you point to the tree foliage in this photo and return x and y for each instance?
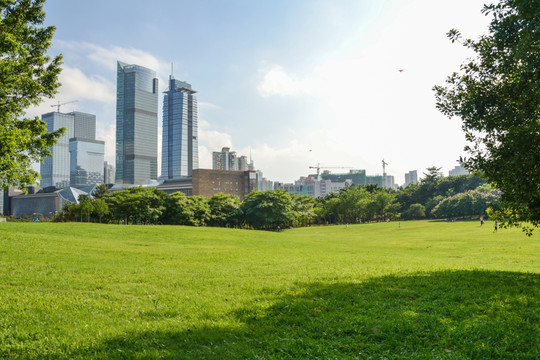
(27, 75)
(497, 97)
(223, 210)
(267, 210)
(469, 203)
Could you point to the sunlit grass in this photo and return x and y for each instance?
(421, 290)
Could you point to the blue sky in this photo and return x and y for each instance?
(295, 82)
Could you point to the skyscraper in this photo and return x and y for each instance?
(411, 178)
(86, 161)
(55, 169)
(136, 124)
(180, 154)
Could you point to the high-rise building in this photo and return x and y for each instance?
(84, 125)
(179, 154)
(108, 173)
(411, 178)
(458, 170)
(136, 124)
(228, 160)
(86, 161)
(55, 169)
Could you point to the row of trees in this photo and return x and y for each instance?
(269, 210)
(140, 205)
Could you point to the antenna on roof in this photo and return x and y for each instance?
(172, 69)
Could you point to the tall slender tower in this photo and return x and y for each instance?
(180, 154)
(136, 124)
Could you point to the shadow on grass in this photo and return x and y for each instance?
(451, 314)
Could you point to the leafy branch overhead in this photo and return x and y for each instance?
(27, 75)
(497, 97)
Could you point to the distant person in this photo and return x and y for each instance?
(495, 225)
(481, 220)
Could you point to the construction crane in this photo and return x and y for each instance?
(319, 167)
(384, 163)
(61, 104)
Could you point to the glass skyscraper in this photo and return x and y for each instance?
(86, 161)
(180, 150)
(55, 169)
(136, 124)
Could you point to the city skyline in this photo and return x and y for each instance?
(320, 83)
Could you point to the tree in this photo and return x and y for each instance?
(100, 208)
(101, 191)
(86, 207)
(223, 208)
(27, 75)
(267, 209)
(302, 207)
(176, 210)
(198, 207)
(497, 97)
(415, 211)
(137, 204)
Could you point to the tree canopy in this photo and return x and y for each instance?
(27, 75)
(497, 97)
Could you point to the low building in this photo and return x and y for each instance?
(210, 182)
(184, 185)
(44, 203)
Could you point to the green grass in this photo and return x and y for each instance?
(427, 290)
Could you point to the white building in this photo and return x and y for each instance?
(411, 178)
(458, 170)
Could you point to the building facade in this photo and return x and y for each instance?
(108, 173)
(211, 182)
(55, 168)
(84, 125)
(86, 161)
(458, 170)
(136, 124)
(411, 178)
(229, 160)
(180, 154)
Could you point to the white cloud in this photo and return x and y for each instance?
(77, 85)
(278, 82)
(106, 57)
(210, 141)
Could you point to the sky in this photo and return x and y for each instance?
(294, 83)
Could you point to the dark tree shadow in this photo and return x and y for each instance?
(448, 314)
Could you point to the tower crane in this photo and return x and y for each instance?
(384, 163)
(61, 104)
(319, 167)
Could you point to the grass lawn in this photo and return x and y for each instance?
(427, 290)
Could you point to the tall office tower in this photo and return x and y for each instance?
(136, 124)
(86, 161)
(411, 178)
(180, 149)
(108, 173)
(55, 169)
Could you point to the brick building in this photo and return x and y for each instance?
(208, 182)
